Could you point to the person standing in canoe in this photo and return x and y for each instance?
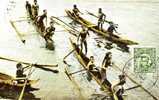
(35, 9)
(101, 19)
(28, 9)
(92, 69)
(83, 35)
(112, 27)
(40, 19)
(107, 61)
(76, 11)
(118, 87)
(49, 32)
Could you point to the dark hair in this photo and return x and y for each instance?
(44, 10)
(107, 54)
(74, 5)
(100, 9)
(121, 76)
(91, 57)
(18, 65)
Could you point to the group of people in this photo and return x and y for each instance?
(84, 32)
(33, 13)
(102, 75)
(101, 20)
(107, 61)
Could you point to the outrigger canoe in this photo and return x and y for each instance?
(115, 38)
(10, 81)
(49, 44)
(84, 61)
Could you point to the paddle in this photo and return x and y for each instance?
(132, 87)
(67, 56)
(96, 16)
(77, 72)
(35, 65)
(47, 69)
(70, 31)
(18, 33)
(25, 83)
(63, 23)
(74, 83)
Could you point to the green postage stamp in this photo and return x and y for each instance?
(144, 60)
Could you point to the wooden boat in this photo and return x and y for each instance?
(12, 82)
(115, 38)
(84, 61)
(49, 43)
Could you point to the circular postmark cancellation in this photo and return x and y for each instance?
(145, 60)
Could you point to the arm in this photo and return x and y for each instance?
(78, 37)
(26, 7)
(103, 61)
(79, 11)
(115, 30)
(46, 21)
(26, 68)
(104, 17)
(87, 32)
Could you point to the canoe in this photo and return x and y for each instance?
(83, 60)
(49, 44)
(115, 38)
(11, 81)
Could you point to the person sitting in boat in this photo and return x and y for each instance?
(20, 72)
(118, 87)
(35, 9)
(82, 36)
(107, 61)
(92, 69)
(28, 9)
(49, 32)
(40, 23)
(101, 19)
(112, 27)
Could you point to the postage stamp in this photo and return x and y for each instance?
(144, 60)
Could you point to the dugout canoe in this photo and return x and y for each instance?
(115, 38)
(50, 44)
(11, 81)
(84, 60)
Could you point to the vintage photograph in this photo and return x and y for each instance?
(79, 50)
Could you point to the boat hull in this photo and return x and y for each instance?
(114, 38)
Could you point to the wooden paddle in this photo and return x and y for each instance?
(77, 72)
(96, 16)
(25, 83)
(134, 87)
(68, 55)
(35, 65)
(18, 33)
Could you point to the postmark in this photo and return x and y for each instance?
(144, 60)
